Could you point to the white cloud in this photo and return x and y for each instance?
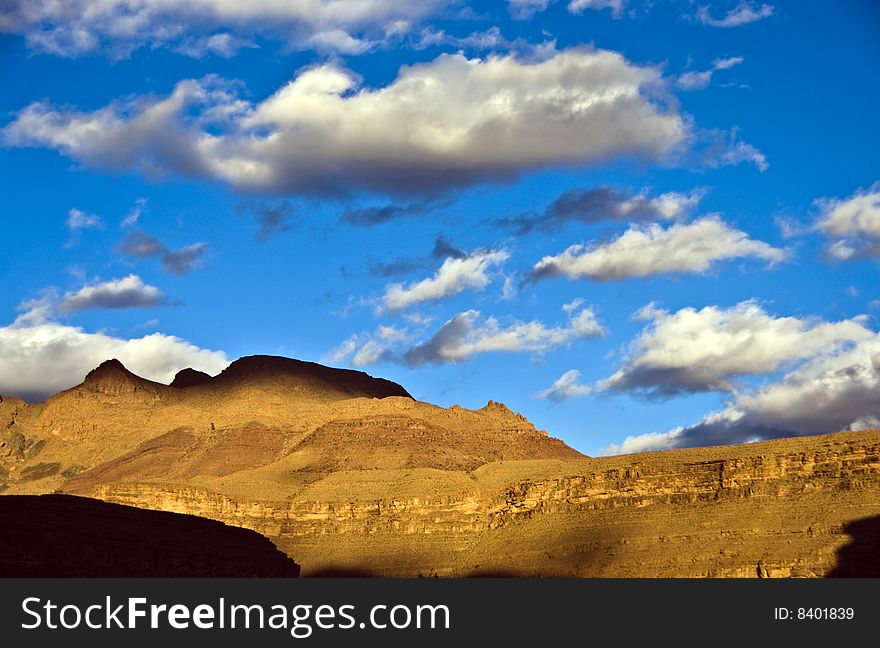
(573, 305)
(338, 40)
(338, 354)
(449, 122)
(835, 391)
(80, 220)
(698, 80)
(361, 350)
(714, 148)
(525, 9)
(694, 80)
(743, 14)
(468, 334)
(852, 225)
(222, 44)
(644, 443)
(489, 39)
(727, 63)
(41, 357)
(463, 336)
(134, 214)
(455, 275)
(579, 6)
(739, 152)
(568, 385)
(643, 251)
(128, 292)
(76, 27)
(705, 350)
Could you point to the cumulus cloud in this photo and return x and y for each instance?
(365, 350)
(77, 27)
(643, 251)
(743, 14)
(698, 80)
(706, 350)
(142, 245)
(469, 333)
(835, 391)
(41, 356)
(465, 335)
(579, 6)
(644, 443)
(456, 274)
(604, 204)
(852, 225)
(568, 385)
(128, 292)
(441, 124)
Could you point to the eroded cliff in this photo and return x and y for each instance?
(778, 508)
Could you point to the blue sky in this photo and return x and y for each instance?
(399, 191)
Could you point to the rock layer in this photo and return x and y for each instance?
(780, 508)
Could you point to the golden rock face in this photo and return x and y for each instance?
(348, 474)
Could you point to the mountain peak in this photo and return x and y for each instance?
(310, 376)
(108, 368)
(190, 377)
(112, 377)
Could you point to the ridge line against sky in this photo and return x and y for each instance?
(642, 226)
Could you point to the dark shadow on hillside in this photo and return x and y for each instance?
(63, 536)
(342, 573)
(860, 557)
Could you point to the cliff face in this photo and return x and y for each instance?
(769, 511)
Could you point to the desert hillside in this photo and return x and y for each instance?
(349, 474)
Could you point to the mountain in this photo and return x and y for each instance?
(113, 379)
(263, 423)
(305, 379)
(189, 377)
(348, 473)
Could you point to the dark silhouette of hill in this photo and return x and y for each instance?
(64, 536)
(351, 383)
(189, 377)
(860, 557)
